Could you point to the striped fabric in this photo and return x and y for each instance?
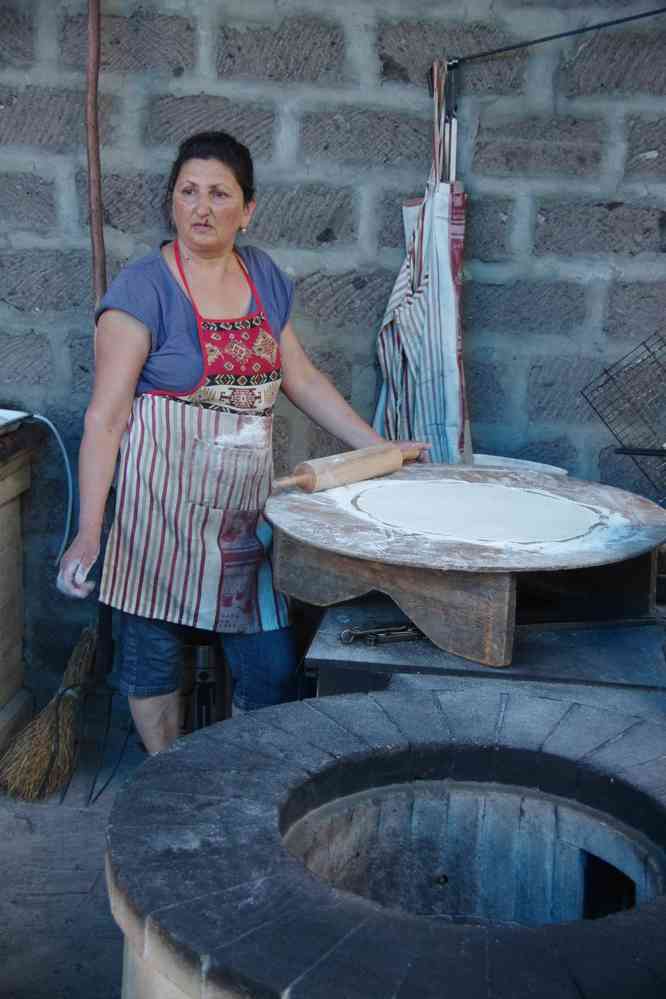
(187, 544)
(420, 340)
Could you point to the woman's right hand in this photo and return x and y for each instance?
(75, 565)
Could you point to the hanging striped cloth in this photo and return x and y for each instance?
(420, 340)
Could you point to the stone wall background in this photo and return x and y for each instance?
(563, 152)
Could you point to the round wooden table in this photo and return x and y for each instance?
(462, 591)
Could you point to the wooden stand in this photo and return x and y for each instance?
(15, 702)
(472, 614)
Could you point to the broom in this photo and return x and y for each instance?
(41, 758)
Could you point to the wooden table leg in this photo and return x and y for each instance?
(471, 614)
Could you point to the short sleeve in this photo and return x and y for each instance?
(283, 294)
(275, 288)
(134, 293)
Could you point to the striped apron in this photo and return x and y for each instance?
(420, 343)
(188, 543)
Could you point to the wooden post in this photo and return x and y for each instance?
(15, 702)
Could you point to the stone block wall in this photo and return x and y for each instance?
(563, 152)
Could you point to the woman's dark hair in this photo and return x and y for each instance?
(213, 146)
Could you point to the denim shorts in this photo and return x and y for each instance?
(150, 661)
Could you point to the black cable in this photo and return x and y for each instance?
(454, 63)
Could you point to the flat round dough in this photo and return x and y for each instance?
(475, 511)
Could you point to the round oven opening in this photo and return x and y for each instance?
(478, 852)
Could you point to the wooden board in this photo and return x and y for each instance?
(629, 525)
(11, 600)
(470, 614)
(15, 483)
(14, 716)
(463, 596)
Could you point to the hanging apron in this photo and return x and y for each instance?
(188, 543)
(420, 340)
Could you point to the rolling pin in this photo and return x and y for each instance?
(341, 469)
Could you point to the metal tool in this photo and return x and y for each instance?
(381, 636)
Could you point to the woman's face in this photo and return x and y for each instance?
(208, 205)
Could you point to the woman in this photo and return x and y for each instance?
(193, 344)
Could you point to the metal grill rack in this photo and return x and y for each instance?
(630, 398)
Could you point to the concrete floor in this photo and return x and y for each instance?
(57, 937)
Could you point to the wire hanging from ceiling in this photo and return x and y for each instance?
(462, 60)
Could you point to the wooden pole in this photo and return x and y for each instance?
(92, 142)
(104, 650)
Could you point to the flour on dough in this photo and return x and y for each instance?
(475, 511)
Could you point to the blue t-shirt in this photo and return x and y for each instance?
(147, 290)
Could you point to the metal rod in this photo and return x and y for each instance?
(459, 61)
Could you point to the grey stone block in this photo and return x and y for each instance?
(538, 963)
(487, 391)
(17, 36)
(628, 973)
(305, 723)
(299, 49)
(583, 729)
(528, 721)
(45, 279)
(339, 973)
(641, 742)
(461, 970)
(473, 717)
(25, 358)
(143, 41)
(561, 451)
(336, 365)
(390, 227)
(525, 306)
(364, 719)
(616, 63)
(488, 229)
(257, 734)
(626, 472)
(81, 358)
(413, 718)
(224, 917)
(320, 443)
(570, 228)
(553, 145)
(649, 776)
(171, 119)
(132, 202)
(554, 386)
(407, 50)
(646, 146)
(26, 198)
(362, 136)
(310, 215)
(281, 437)
(291, 946)
(572, 4)
(38, 116)
(354, 298)
(636, 311)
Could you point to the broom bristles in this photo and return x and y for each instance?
(41, 758)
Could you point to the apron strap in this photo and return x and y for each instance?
(246, 275)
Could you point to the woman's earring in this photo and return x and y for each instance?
(243, 228)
